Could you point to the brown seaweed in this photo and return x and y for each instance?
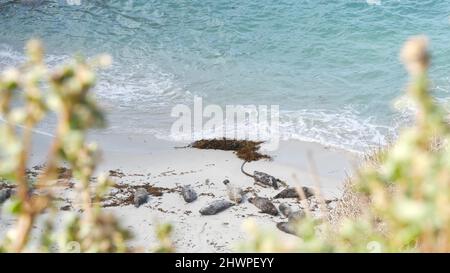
(247, 150)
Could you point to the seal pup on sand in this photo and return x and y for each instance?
(292, 192)
(140, 197)
(264, 205)
(263, 179)
(188, 193)
(287, 227)
(293, 218)
(235, 194)
(285, 209)
(215, 207)
(296, 215)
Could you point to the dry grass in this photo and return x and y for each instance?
(351, 205)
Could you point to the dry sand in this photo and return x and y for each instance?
(144, 160)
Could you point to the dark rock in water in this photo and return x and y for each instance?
(287, 227)
(264, 205)
(235, 194)
(188, 193)
(140, 197)
(293, 193)
(5, 194)
(285, 209)
(265, 179)
(216, 207)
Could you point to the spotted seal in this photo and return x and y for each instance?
(216, 207)
(287, 227)
(140, 197)
(235, 194)
(293, 218)
(285, 209)
(263, 179)
(264, 205)
(292, 192)
(296, 215)
(188, 193)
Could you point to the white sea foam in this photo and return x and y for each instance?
(344, 129)
(374, 2)
(139, 97)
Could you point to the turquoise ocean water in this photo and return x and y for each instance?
(331, 65)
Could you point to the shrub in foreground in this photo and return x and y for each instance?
(27, 95)
(408, 191)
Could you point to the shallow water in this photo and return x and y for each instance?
(332, 66)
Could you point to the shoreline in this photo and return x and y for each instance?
(146, 160)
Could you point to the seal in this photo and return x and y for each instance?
(5, 194)
(292, 192)
(287, 227)
(235, 194)
(295, 216)
(216, 207)
(263, 179)
(291, 225)
(140, 197)
(188, 193)
(285, 209)
(264, 205)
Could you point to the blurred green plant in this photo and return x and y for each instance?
(163, 234)
(27, 95)
(408, 189)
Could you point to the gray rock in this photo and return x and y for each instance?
(264, 205)
(5, 194)
(140, 197)
(216, 207)
(235, 194)
(188, 193)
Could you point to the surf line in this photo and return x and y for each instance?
(32, 130)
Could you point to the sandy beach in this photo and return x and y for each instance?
(145, 160)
